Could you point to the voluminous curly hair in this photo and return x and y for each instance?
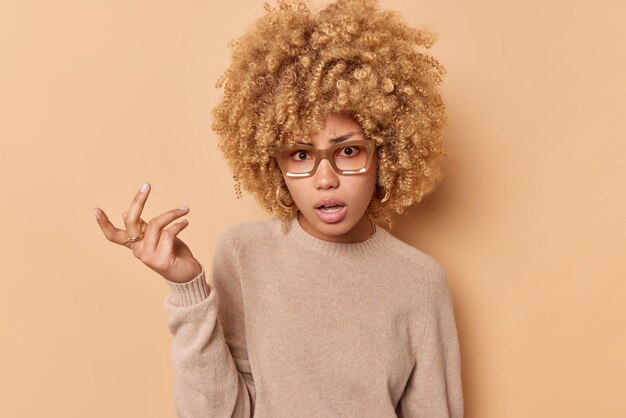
(292, 68)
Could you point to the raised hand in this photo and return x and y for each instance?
(158, 248)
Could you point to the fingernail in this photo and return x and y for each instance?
(95, 212)
(183, 207)
(144, 187)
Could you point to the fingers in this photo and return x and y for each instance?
(168, 235)
(136, 227)
(156, 225)
(173, 230)
(144, 226)
(112, 233)
(132, 219)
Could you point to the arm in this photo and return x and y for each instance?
(209, 354)
(434, 387)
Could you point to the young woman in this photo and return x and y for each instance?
(333, 121)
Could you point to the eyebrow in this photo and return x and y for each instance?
(335, 140)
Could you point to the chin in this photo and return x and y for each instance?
(336, 228)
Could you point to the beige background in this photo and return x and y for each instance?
(97, 97)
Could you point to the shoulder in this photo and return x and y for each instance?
(246, 232)
(237, 240)
(416, 259)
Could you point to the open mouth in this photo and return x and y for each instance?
(331, 213)
(331, 209)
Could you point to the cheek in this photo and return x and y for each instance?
(372, 173)
(361, 188)
(297, 188)
(371, 179)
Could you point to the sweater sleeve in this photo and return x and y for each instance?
(434, 388)
(209, 355)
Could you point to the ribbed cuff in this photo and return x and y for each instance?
(191, 292)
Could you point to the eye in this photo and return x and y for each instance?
(350, 151)
(299, 155)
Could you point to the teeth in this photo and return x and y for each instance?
(331, 209)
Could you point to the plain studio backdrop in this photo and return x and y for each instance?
(98, 97)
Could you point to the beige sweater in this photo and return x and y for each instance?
(294, 326)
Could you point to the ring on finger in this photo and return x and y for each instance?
(141, 235)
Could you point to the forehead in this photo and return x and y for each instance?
(336, 126)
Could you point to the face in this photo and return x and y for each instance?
(354, 191)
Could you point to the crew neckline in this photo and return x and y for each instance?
(298, 235)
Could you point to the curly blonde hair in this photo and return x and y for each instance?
(292, 68)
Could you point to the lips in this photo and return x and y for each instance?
(331, 201)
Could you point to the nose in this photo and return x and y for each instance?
(325, 176)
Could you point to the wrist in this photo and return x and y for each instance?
(199, 269)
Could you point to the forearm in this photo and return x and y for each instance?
(208, 382)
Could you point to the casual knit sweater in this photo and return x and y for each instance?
(290, 325)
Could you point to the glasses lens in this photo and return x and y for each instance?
(298, 160)
(350, 157)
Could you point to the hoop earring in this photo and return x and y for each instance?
(280, 202)
(386, 197)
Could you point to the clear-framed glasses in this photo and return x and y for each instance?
(347, 157)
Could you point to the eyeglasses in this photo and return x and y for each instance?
(348, 157)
